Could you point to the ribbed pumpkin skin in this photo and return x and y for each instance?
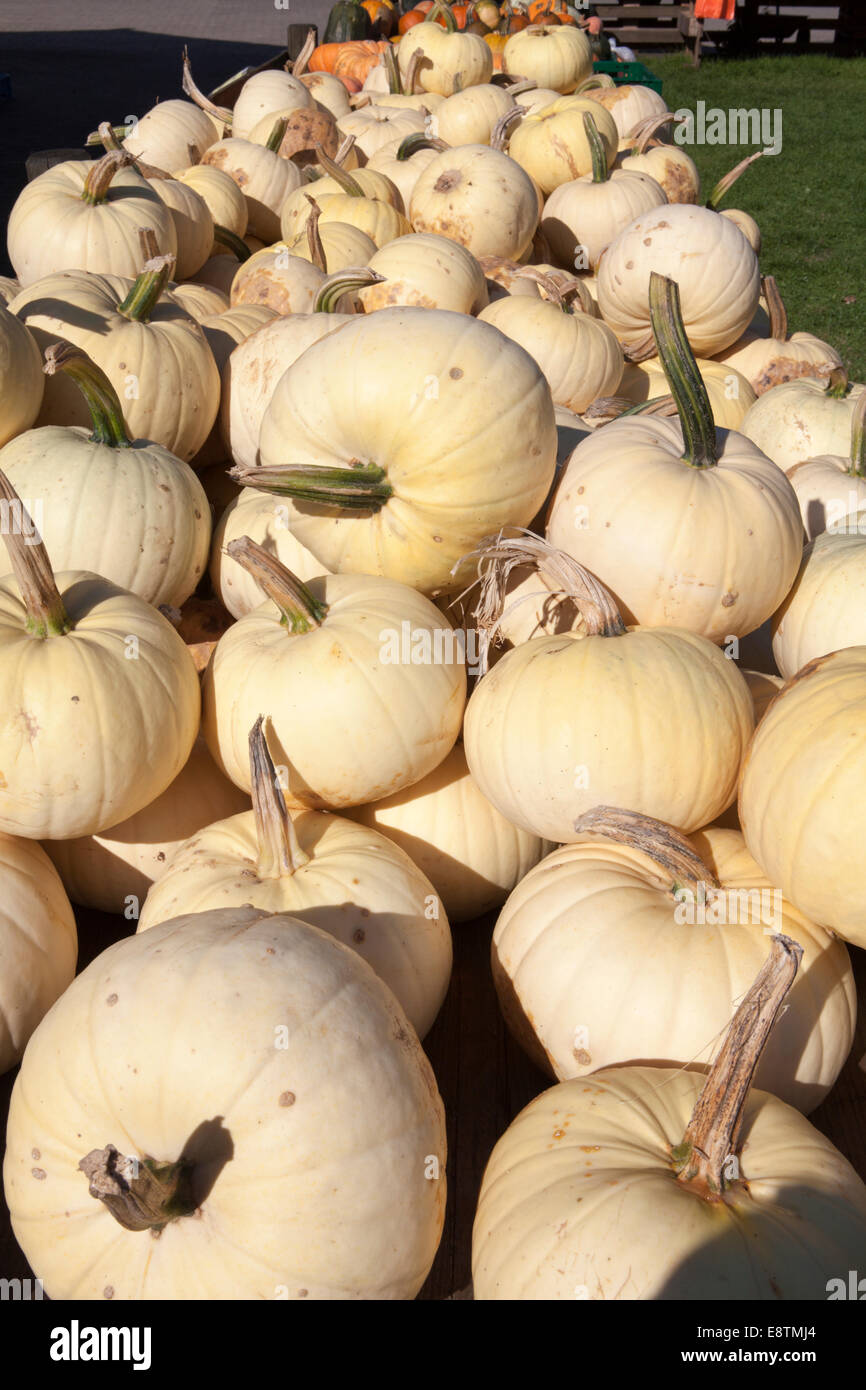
(472, 855)
(263, 95)
(730, 394)
(473, 405)
(656, 720)
(357, 886)
(831, 497)
(163, 370)
(554, 57)
(265, 179)
(798, 420)
(52, 229)
(552, 146)
(98, 734)
(38, 943)
(226, 202)
(348, 724)
(711, 261)
(264, 519)
(801, 801)
(711, 549)
(163, 135)
(544, 1229)
(347, 20)
(327, 1194)
(584, 214)
(21, 380)
(479, 197)
(138, 516)
(564, 950)
(825, 609)
(579, 355)
(104, 871)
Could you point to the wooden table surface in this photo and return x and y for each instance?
(485, 1080)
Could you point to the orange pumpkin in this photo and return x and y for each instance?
(358, 58)
(323, 58)
(409, 20)
(549, 11)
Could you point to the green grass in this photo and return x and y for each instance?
(809, 199)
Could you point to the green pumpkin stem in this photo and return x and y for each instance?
(223, 236)
(100, 175)
(141, 1194)
(275, 139)
(106, 412)
(838, 384)
(280, 853)
(440, 9)
(600, 171)
(46, 613)
(775, 308)
(299, 608)
(342, 282)
(142, 299)
(712, 1135)
(411, 144)
(392, 67)
(340, 175)
(361, 489)
(681, 369)
(858, 438)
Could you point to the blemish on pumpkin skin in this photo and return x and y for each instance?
(111, 1000)
(287, 1098)
(39, 1173)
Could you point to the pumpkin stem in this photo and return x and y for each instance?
(411, 144)
(443, 11)
(681, 369)
(106, 412)
(300, 610)
(644, 132)
(46, 613)
(600, 171)
(275, 139)
(141, 1194)
(141, 301)
(232, 241)
(560, 573)
(683, 871)
(280, 853)
(501, 130)
(412, 72)
(148, 243)
(778, 315)
(858, 438)
(101, 173)
(727, 182)
(596, 81)
(838, 385)
(557, 294)
(711, 1137)
(219, 113)
(363, 488)
(343, 150)
(299, 66)
(314, 241)
(338, 173)
(395, 85)
(342, 282)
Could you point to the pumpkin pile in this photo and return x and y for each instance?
(415, 506)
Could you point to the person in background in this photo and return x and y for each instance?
(604, 48)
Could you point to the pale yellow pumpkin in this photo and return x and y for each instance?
(471, 854)
(226, 202)
(709, 258)
(769, 360)
(21, 381)
(265, 179)
(81, 215)
(113, 871)
(265, 95)
(8, 288)
(343, 878)
(670, 165)
(200, 301)
(824, 610)
(804, 419)
(403, 171)
(655, 719)
(193, 224)
(559, 56)
(800, 791)
(335, 686)
(274, 277)
(631, 105)
(342, 246)
(552, 144)
(327, 91)
(468, 117)
(449, 59)
(106, 694)
(171, 135)
(153, 353)
(432, 272)
(38, 943)
(730, 394)
(265, 520)
(831, 489)
(472, 405)
(224, 331)
(479, 197)
(535, 99)
(719, 1192)
(697, 914)
(290, 1039)
(129, 511)
(579, 355)
(375, 126)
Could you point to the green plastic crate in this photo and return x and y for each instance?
(635, 74)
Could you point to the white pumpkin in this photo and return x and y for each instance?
(226, 202)
(824, 610)
(479, 197)
(289, 1038)
(171, 135)
(769, 360)
(552, 144)
(432, 272)
(193, 224)
(265, 179)
(404, 169)
(21, 381)
(274, 277)
(375, 126)
(263, 95)
(38, 943)
(553, 56)
(449, 59)
(265, 520)
(343, 878)
(468, 117)
(831, 489)
(804, 419)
